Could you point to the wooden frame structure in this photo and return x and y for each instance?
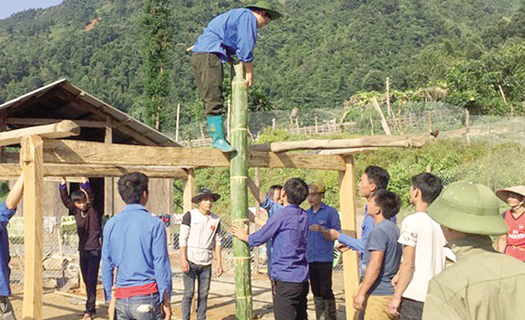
(42, 157)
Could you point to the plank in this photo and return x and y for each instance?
(348, 224)
(84, 152)
(32, 161)
(62, 129)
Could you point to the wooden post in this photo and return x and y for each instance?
(189, 191)
(109, 197)
(257, 210)
(386, 128)
(178, 123)
(316, 125)
(399, 117)
(239, 192)
(273, 124)
(348, 224)
(467, 124)
(31, 156)
(371, 126)
(430, 125)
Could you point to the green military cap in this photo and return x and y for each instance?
(270, 9)
(4, 191)
(470, 208)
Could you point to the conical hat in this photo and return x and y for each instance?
(504, 194)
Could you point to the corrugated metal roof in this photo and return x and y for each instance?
(123, 123)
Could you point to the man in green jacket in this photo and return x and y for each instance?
(483, 283)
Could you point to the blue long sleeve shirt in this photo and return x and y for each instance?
(231, 33)
(270, 206)
(135, 243)
(319, 249)
(288, 228)
(5, 215)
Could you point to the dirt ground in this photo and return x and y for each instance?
(221, 300)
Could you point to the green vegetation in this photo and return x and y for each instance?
(319, 55)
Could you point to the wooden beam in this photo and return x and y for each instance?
(415, 141)
(108, 181)
(348, 151)
(12, 170)
(84, 152)
(32, 161)
(41, 121)
(348, 224)
(62, 129)
(189, 191)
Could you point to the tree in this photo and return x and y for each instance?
(157, 29)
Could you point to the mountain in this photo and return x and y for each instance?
(317, 55)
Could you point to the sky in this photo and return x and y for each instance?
(8, 7)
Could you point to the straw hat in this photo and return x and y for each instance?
(319, 186)
(266, 6)
(470, 208)
(504, 194)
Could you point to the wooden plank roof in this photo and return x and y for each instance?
(62, 100)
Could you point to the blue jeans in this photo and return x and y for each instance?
(146, 307)
(203, 276)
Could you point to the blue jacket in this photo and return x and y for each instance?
(288, 228)
(135, 243)
(319, 249)
(231, 33)
(5, 215)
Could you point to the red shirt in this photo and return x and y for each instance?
(516, 237)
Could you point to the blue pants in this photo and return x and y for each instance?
(147, 307)
(203, 276)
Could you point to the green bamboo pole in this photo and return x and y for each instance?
(239, 193)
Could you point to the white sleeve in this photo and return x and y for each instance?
(409, 234)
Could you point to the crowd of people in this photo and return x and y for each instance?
(441, 264)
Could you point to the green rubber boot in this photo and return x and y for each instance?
(217, 134)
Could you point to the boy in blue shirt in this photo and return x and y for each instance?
(381, 258)
(135, 244)
(320, 251)
(9, 202)
(288, 228)
(231, 33)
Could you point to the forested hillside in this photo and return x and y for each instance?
(318, 55)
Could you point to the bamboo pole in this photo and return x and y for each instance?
(238, 181)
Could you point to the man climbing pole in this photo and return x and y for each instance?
(231, 33)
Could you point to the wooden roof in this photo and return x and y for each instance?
(61, 100)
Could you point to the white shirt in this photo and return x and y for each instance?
(200, 234)
(420, 231)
